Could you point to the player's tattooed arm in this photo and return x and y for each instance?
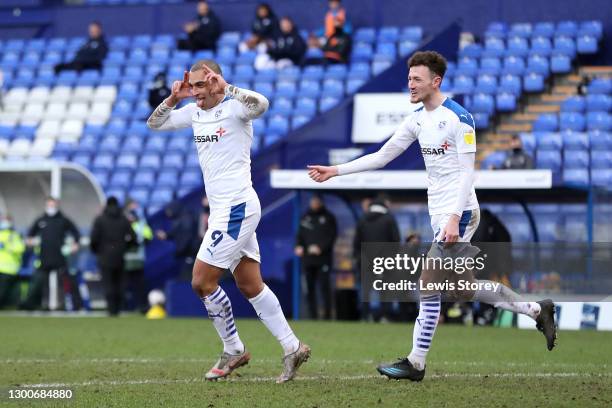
(254, 103)
(159, 116)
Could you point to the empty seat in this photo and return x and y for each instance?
(168, 178)
(548, 159)
(548, 140)
(514, 65)
(597, 102)
(572, 121)
(576, 177)
(49, 129)
(533, 82)
(575, 140)
(573, 104)
(83, 94)
(55, 111)
(78, 110)
(599, 121)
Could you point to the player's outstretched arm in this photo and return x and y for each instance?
(255, 104)
(161, 119)
(373, 161)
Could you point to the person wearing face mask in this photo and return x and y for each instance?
(51, 230)
(136, 294)
(11, 250)
(517, 159)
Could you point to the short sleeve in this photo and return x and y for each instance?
(406, 133)
(465, 137)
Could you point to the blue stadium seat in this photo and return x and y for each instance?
(493, 160)
(473, 50)
(380, 64)
(267, 75)
(110, 144)
(272, 137)
(445, 86)
(587, 44)
(332, 88)
(494, 47)
(281, 106)
(310, 88)
(546, 122)
(505, 102)
(575, 140)
(57, 44)
(539, 65)
(533, 82)
(486, 84)
(246, 58)
(483, 103)
(529, 141)
(543, 29)
(599, 121)
(601, 177)
(103, 161)
(600, 140)
(548, 159)
(120, 179)
(387, 49)
(567, 28)
(337, 71)
(144, 178)
(362, 53)
(279, 124)
(229, 39)
(521, 30)
(299, 120)
(463, 84)
(291, 74)
(541, 46)
(150, 161)
(592, 28)
(167, 178)
(264, 88)
(352, 85)
(490, 66)
(411, 33)
(141, 195)
(127, 161)
(365, 35)
(597, 102)
(601, 159)
(388, 34)
(328, 102)
(132, 144)
(467, 66)
(191, 179)
(572, 121)
(600, 86)
(576, 159)
(173, 161)
(287, 89)
(565, 45)
(155, 143)
(517, 47)
(514, 65)
(179, 143)
(560, 64)
(576, 177)
(313, 73)
(406, 47)
(573, 104)
(481, 120)
(305, 107)
(259, 127)
(84, 159)
(510, 84)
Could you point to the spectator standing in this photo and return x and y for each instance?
(135, 257)
(314, 245)
(111, 237)
(11, 250)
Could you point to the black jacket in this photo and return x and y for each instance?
(52, 231)
(265, 28)
(111, 236)
(93, 51)
(291, 46)
(377, 225)
(317, 228)
(338, 46)
(518, 160)
(208, 32)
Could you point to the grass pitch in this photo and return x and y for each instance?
(131, 362)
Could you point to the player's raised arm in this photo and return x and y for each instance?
(254, 104)
(164, 117)
(399, 142)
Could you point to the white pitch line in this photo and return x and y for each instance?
(309, 378)
(119, 360)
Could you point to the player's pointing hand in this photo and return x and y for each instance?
(216, 83)
(180, 90)
(322, 173)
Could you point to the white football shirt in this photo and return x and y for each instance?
(442, 133)
(223, 136)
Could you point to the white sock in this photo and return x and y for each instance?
(219, 310)
(269, 311)
(424, 329)
(505, 298)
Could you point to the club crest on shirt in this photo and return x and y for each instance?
(442, 125)
(218, 113)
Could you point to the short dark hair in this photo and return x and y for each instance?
(209, 63)
(431, 59)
